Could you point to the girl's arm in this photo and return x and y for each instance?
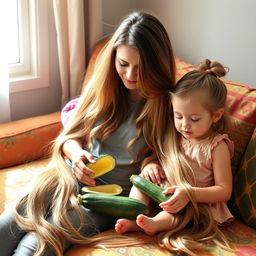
(219, 192)
(222, 189)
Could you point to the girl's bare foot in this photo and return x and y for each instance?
(124, 225)
(163, 221)
(147, 224)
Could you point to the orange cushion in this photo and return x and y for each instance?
(97, 48)
(28, 139)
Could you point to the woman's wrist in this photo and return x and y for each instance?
(71, 148)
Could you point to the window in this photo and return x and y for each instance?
(28, 44)
(13, 36)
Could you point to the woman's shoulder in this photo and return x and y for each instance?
(68, 110)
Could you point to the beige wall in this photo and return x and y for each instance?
(221, 30)
(113, 12)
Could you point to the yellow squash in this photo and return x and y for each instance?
(103, 165)
(110, 189)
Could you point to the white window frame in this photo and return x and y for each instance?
(33, 70)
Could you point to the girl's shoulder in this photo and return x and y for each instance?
(222, 138)
(204, 148)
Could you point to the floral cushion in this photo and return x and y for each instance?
(243, 239)
(245, 185)
(242, 108)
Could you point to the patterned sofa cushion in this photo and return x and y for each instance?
(242, 107)
(245, 185)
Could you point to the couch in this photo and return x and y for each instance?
(25, 147)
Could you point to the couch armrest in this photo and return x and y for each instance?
(28, 139)
(96, 50)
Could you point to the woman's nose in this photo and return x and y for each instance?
(131, 74)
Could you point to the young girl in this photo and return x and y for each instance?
(205, 176)
(120, 112)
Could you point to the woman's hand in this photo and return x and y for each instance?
(178, 200)
(153, 172)
(72, 149)
(79, 168)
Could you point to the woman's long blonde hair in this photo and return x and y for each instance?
(106, 99)
(196, 228)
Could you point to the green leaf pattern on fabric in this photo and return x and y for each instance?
(245, 185)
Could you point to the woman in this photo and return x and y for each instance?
(121, 112)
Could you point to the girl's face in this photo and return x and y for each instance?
(127, 63)
(191, 118)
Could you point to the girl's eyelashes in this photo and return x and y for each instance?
(193, 119)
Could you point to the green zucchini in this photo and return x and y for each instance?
(152, 190)
(118, 206)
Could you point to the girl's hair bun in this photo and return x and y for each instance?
(213, 68)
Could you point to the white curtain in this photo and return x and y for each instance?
(76, 29)
(5, 115)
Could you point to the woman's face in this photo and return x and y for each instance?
(127, 63)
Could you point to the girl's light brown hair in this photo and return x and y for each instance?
(206, 78)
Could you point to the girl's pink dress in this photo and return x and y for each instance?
(199, 156)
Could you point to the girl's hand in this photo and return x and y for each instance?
(178, 200)
(153, 172)
(79, 168)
